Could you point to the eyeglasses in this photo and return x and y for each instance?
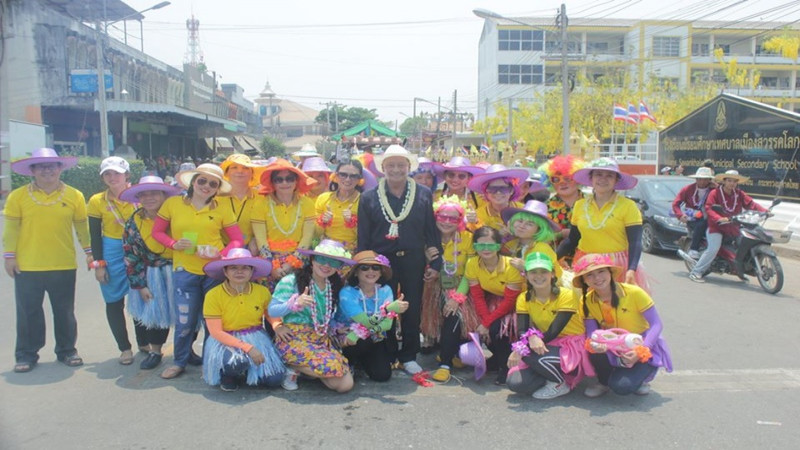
(499, 189)
(352, 176)
(459, 175)
(562, 179)
(46, 166)
(287, 179)
(213, 184)
(486, 246)
(447, 219)
(325, 261)
(366, 267)
(239, 268)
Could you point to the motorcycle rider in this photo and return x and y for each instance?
(689, 207)
(733, 201)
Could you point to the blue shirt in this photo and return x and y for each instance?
(350, 303)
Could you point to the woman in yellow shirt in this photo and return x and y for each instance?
(500, 187)
(337, 210)
(243, 176)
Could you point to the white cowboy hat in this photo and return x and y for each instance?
(395, 151)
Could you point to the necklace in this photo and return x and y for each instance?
(322, 327)
(275, 219)
(111, 206)
(451, 269)
(725, 202)
(386, 209)
(364, 298)
(57, 200)
(605, 217)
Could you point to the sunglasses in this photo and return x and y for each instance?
(213, 184)
(352, 176)
(366, 267)
(447, 219)
(287, 179)
(499, 189)
(459, 175)
(330, 262)
(486, 246)
(557, 179)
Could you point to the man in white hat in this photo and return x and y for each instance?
(396, 220)
(689, 207)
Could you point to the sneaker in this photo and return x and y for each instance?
(442, 374)
(550, 390)
(696, 278)
(595, 390)
(228, 384)
(457, 363)
(744, 278)
(289, 380)
(644, 389)
(694, 254)
(412, 368)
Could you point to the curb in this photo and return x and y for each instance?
(787, 252)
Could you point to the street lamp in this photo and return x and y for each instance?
(486, 14)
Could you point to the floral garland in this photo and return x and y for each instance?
(322, 328)
(522, 347)
(275, 218)
(386, 209)
(57, 200)
(605, 217)
(725, 202)
(446, 265)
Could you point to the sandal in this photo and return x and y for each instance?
(171, 372)
(126, 358)
(23, 367)
(72, 360)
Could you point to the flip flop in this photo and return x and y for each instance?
(72, 360)
(126, 358)
(171, 372)
(23, 367)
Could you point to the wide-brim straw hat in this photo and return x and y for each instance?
(584, 176)
(591, 262)
(238, 257)
(534, 207)
(148, 183)
(370, 257)
(304, 182)
(307, 150)
(42, 156)
(458, 164)
(703, 172)
(479, 182)
(331, 249)
(242, 160)
(208, 169)
(471, 354)
(397, 151)
(730, 174)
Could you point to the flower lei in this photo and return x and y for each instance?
(275, 218)
(725, 202)
(386, 209)
(322, 327)
(605, 217)
(522, 347)
(456, 296)
(57, 200)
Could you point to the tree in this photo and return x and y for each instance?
(347, 116)
(787, 44)
(412, 126)
(271, 146)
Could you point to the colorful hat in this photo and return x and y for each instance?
(43, 156)
(425, 163)
(395, 151)
(561, 166)
(584, 176)
(458, 164)
(306, 150)
(538, 260)
(497, 171)
(242, 160)
(471, 354)
(370, 257)
(211, 170)
(730, 174)
(534, 207)
(590, 262)
(238, 257)
(116, 164)
(703, 172)
(315, 164)
(331, 249)
(535, 178)
(148, 183)
(304, 182)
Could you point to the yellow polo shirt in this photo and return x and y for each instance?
(487, 218)
(112, 213)
(242, 210)
(543, 314)
(39, 232)
(512, 247)
(283, 222)
(610, 238)
(633, 301)
(207, 222)
(145, 226)
(237, 311)
(496, 281)
(463, 252)
(337, 229)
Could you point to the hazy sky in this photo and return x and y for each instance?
(378, 54)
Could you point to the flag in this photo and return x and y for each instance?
(644, 112)
(463, 150)
(485, 149)
(633, 114)
(620, 113)
(472, 150)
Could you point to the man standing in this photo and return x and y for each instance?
(39, 254)
(689, 207)
(396, 220)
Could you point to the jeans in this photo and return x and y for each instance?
(698, 229)
(190, 291)
(714, 241)
(29, 290)
(621, 380)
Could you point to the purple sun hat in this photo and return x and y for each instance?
(148, 183)
(584, 176)
(498, 171)
(315, 164)
(330, 249)
(239, 257)
(534, 207)
(471, 354)
(457, 164)
(43, 156)
(425, 163)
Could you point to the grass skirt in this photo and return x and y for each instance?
(213, 352)
(158, 313)
(433, 300)
(308, 349)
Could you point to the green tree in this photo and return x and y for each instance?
(413, 125)
(271, 146)
(347, 117)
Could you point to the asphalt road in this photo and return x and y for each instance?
(736, 385)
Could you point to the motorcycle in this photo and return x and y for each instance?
(750, 253)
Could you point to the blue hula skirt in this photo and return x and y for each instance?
(158, 313)
(213, 352)
(117, 286)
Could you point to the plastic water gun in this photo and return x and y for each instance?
(619, 342)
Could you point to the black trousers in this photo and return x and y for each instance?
(29, 290)
(407, 271)
(115, 314)
(373, 357)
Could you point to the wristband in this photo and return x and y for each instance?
(521, 346)
(9, 255)
(323, 223)
(97, 264)
(352, 223)
(456, 296)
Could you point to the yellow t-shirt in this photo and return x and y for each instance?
(610, 238)
(487, 218)
(112, 213)
(337, 229)
(237, 311)
(283, 222)
(242, 210)
(464, 251)
(494, 282)
(633, 301)
(145, 226)
(40, 232)
(543, 314)
(207, 222)
(475, 203)
(512, 247)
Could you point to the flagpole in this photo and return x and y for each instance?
(613, 126)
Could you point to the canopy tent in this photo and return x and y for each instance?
(368, 128)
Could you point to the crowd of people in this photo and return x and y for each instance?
(320, 271)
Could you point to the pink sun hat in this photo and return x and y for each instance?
(315, 164)
(471, 354)
(458, 164)
(239, 257)
(43, 156)
(148, 183)
(498, 171)
(584, 176)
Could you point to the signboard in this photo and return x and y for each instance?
(199, 89)
(85, 80)
(760, 141)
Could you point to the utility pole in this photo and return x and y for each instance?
(455, 109)
(336, 117)
(101, 90)
(438, 119)
(564, 80)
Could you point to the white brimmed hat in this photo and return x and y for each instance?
(212, 170)
(731, 174)
(395, 151)
(703, 172)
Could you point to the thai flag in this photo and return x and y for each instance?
(644, 112)
(620, 113)
(633, 114)
(485, 149)
(464, 151)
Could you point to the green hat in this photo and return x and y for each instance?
(538, 260)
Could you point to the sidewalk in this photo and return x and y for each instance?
(787, 217)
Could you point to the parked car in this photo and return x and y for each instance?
(654, 195)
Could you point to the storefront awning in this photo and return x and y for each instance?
(142, 107)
